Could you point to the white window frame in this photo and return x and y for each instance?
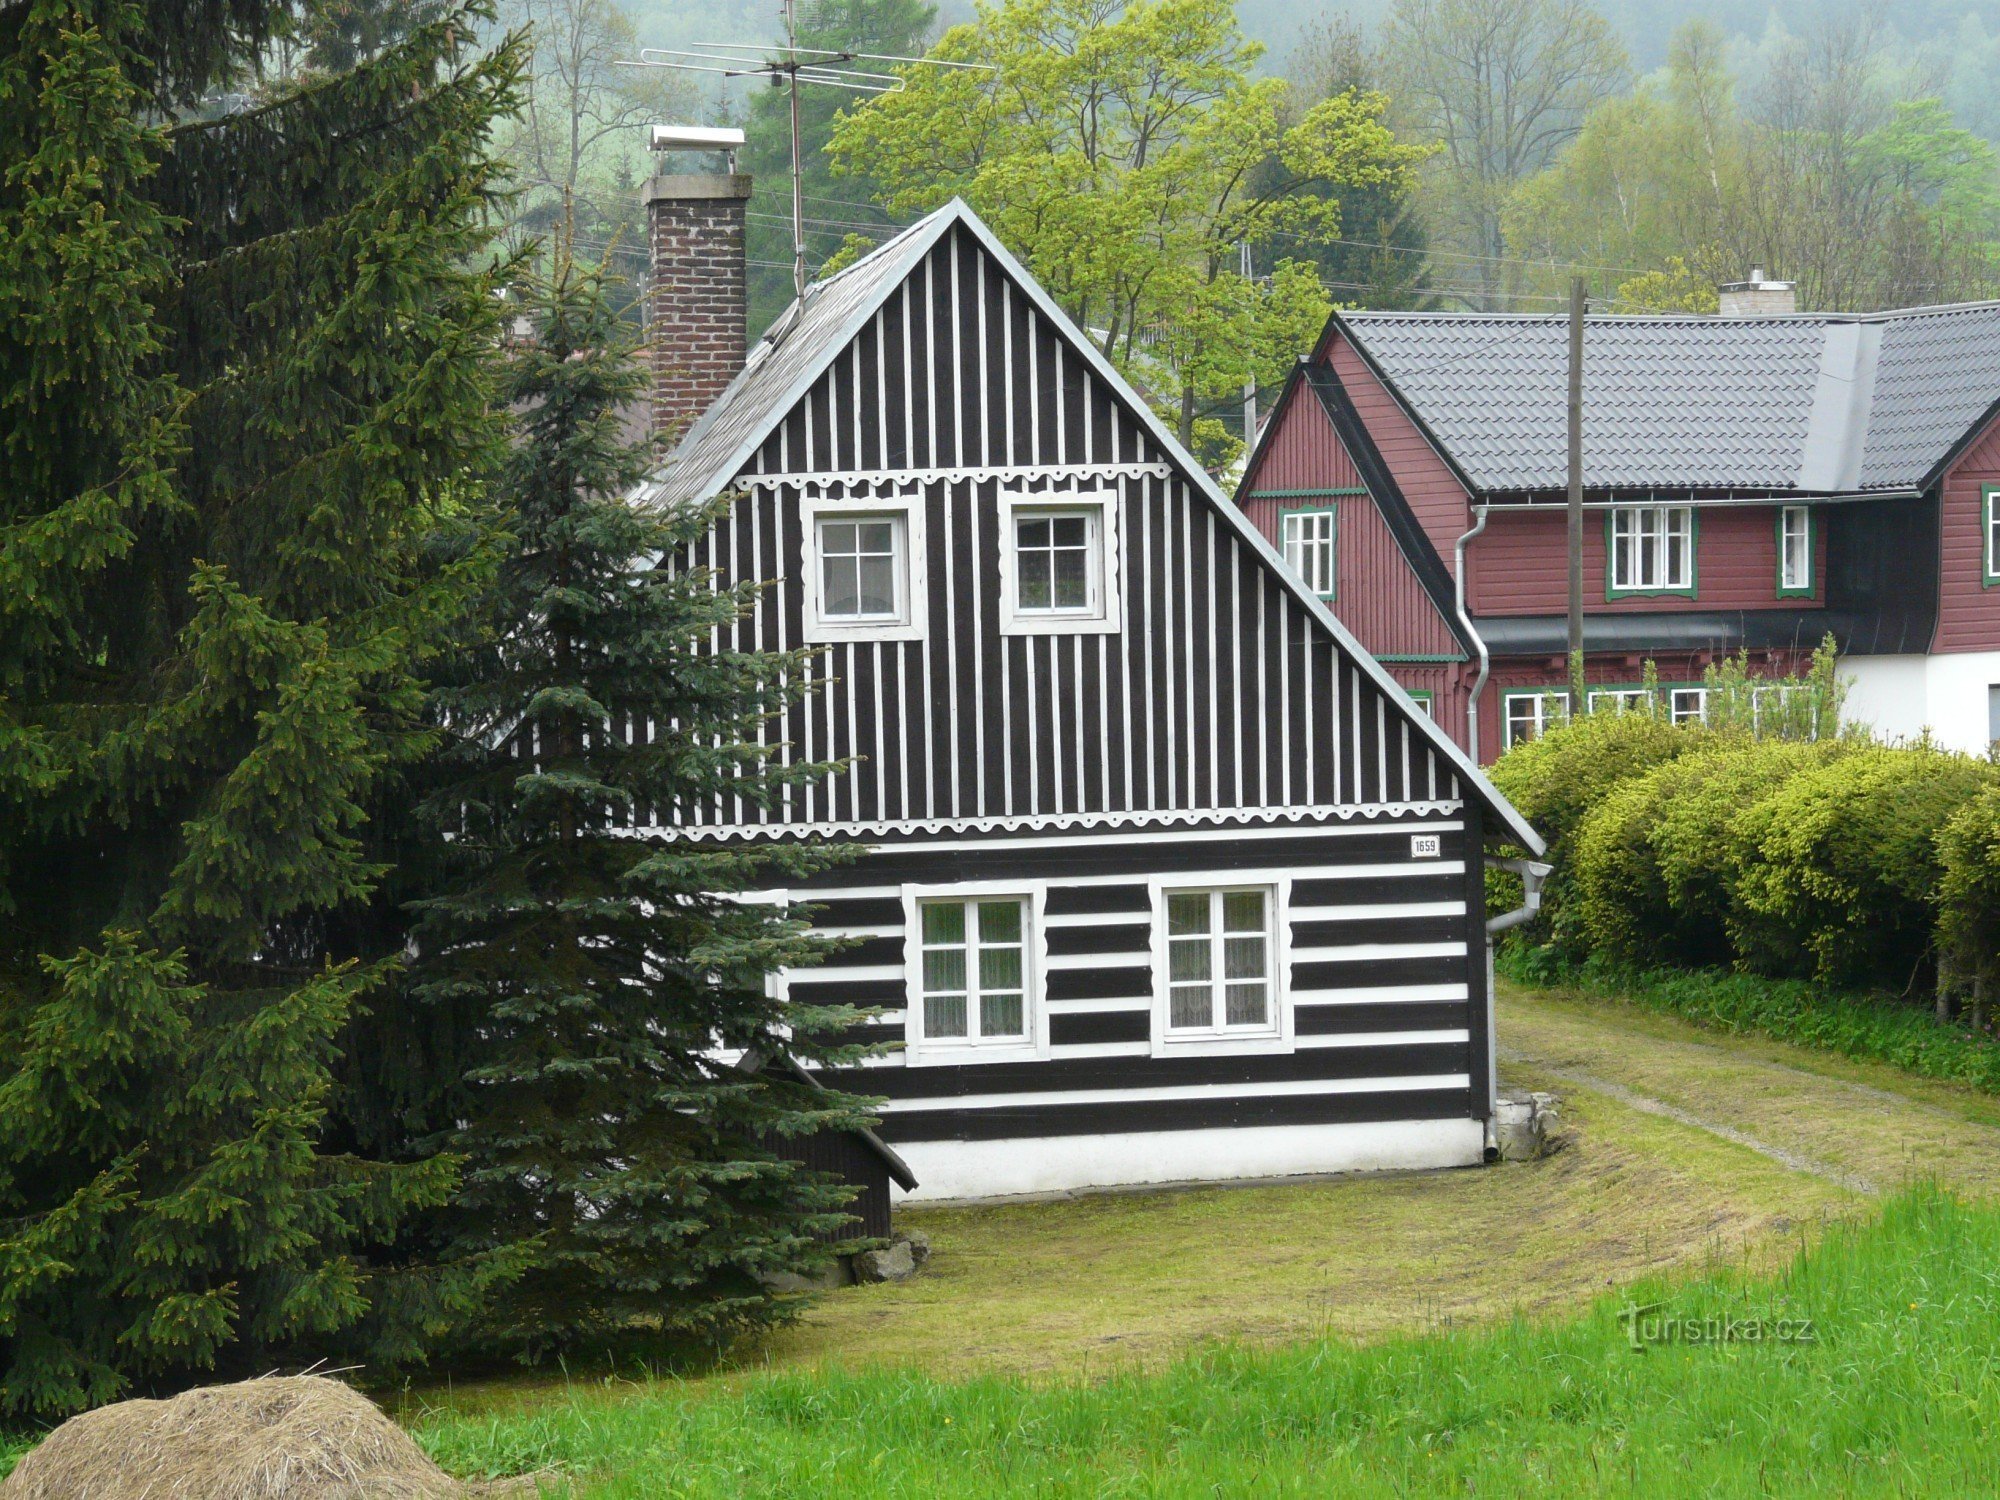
(906, 509)
(1105, 616)
(919, 1050)
(1324, 521)
(1802, 584)
(1990, 574)
(1631, 526)
(1544, 719)
(1624, 700)
(1425, 699)
(1677, 698)
(1219, 1041)
(1782, 694)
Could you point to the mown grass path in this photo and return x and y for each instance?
(1174, 1343)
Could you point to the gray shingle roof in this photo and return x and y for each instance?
(775, 375)
(1817, 404)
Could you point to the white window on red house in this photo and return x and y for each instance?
(1652, 549)
(1525, 715)
(1993, 534)
(1308, 538)
(1688, 705)
(1795, 550)
(1620, 700)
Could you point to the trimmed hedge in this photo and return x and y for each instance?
(1845, 862)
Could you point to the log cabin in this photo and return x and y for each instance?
(1164, 877)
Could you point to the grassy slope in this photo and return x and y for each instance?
(1898, 1396)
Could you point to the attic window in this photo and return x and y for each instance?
(1992, 519)
(863, 568)
(1059, 563)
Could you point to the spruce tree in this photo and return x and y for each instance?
(603, 985)
(243, 368)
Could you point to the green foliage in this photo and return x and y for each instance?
(587, 978)
(1840, 875)
(241, 363)
(1557, 779)
(1969, 896)
(1117, 150)
(1806, 707)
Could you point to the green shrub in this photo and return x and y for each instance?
(1690, 839)
(1619, 898)
(1969, 897)
(1840, 870)
(1557, 779)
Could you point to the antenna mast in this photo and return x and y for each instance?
(798, 176)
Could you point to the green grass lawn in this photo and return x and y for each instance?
(1897, 1395)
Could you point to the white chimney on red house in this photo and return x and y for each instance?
(697, 298)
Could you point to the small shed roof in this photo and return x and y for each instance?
(1813, 404)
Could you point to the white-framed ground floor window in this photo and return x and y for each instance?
(974, 978)
(1526, 713)
(1219, 968)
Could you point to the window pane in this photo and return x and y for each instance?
(1243, 911)
(878, 536)
(877, 585)
(944, 922)
(1001, 1015)
(1188, 959)
(1187, 912)
(999, 921)
(944, 970)
(842, 586)
(1190, 1006)
(836, 536)
(1243, 958)
(1071, 531)
(1072, 590)
(1247, 1005)
(999, 968)
(1033, 532)
(944, 1015)
(1035, 590)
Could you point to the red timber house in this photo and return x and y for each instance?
(1752, 483)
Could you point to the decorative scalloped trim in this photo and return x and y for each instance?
(1037, 822)
(876, 480)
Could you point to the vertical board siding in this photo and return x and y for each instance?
(1219, 692)
(1376, 594)
(1302, 452)
(1433, 491)
(1968, 611)
(1520, 567)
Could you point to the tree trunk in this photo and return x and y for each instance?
(1186, 433)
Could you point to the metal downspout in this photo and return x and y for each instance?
(1478, 641)
(1532, 872)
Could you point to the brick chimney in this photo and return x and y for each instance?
(697, 303)
(1757, 297)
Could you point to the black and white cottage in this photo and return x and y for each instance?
(1166, 880)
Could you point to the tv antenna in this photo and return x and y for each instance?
(792, 66)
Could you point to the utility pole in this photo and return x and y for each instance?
(798, 182)
(1250, 381)
(1576, 305)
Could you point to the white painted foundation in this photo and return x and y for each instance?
(1003, 1169)
(1898, 697)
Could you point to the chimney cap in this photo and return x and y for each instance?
(696, 138)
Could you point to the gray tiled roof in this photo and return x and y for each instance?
(711, 452)
(1828, 403)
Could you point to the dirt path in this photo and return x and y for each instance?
(1866, 1127)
